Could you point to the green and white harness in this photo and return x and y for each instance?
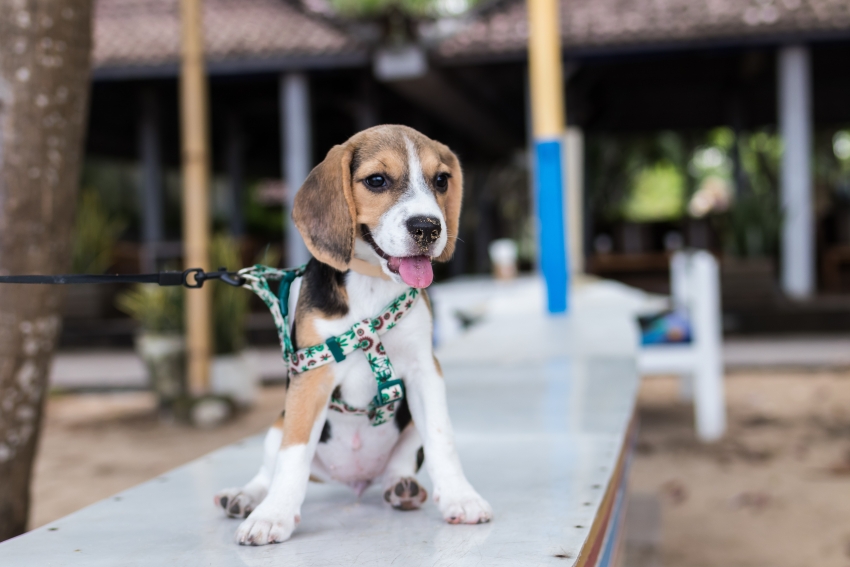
(363, 335)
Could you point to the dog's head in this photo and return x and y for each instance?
(389, 196)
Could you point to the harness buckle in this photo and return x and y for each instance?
(389, 392)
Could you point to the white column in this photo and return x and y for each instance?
(574, 201)
(297, 159)
(795, 125)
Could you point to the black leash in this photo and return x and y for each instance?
(167, 278)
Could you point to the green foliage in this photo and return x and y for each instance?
(366, 8)
(752, 226)
(760, 155)
(413, 8)
(260, 218)
(832, 169)
(230, 304)
(157, 309)
(116, 183)
(657, 194)
(621, 172)
(95, 235)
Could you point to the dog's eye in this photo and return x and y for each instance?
(376, 181)
(442, 181)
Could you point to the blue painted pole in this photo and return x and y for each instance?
(550, 212)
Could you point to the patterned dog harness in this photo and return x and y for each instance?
(363, 335)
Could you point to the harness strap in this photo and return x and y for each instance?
(363, 335)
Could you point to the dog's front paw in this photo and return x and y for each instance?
(463, 506)
(405, 494)
(238, 502)
(262, 528)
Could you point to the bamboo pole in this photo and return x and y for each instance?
(545, 68)
(196, 207)
(546, 81)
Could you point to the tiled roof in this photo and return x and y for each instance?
(588, 24)
(138, 33)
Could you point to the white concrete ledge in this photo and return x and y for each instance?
(543, 435)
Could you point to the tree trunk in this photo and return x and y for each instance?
(44, 82)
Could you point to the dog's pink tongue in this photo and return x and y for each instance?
(416, 271)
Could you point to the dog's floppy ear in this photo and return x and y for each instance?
(324, 209)
(454, 198)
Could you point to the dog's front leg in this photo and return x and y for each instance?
(458, 501)
(274, 520)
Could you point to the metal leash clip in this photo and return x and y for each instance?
(200, 276)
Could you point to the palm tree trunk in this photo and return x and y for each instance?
(44, 83)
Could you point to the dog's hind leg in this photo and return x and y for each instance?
(240, 501)
(401, 490)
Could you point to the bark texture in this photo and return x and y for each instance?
(45, 50)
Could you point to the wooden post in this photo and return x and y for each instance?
(547, 116)
(196, 207)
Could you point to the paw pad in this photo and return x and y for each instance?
(235, 505)
(405, 494)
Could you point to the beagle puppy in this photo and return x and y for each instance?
(374, 214)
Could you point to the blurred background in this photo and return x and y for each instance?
(675, 112)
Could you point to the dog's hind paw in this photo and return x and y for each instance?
(262, 529)
(238, 502)
(464, 507)
(405, 494)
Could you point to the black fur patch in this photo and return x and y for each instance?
(420, 458)
(326, 432)
(356, 158)
(402, 415)
(323, 289)
(337, 393)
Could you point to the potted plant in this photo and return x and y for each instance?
(160, 342)
(231, 374)
(95, 235)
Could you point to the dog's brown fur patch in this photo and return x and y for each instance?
(307, 397)
(324, 209)
(439, 368)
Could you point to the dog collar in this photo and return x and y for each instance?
(363, 335)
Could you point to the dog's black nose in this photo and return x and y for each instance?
(424, 230)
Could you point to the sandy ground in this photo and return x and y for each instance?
(94, 445)
(774, 493)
